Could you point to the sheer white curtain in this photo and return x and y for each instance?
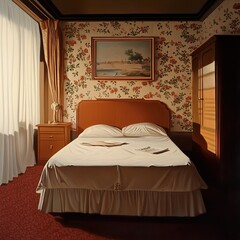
(19, 89)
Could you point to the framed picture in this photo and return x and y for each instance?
(117, 58)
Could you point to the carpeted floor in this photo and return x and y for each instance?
(20, 220)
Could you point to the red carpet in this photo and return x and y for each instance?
(20, 220)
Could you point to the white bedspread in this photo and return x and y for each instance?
(130, 154)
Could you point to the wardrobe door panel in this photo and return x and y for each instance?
(207, 99)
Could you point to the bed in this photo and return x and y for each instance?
(122, 162)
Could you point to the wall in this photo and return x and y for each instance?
(224, 20)
(174, 43)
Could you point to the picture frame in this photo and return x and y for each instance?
(122, 58)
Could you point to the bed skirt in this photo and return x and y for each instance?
(126, 203)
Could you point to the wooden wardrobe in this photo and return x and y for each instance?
(216, 109)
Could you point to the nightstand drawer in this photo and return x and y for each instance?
(48, 148)
(52, 128)
(51, 136)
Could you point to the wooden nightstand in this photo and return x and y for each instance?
(51, 138)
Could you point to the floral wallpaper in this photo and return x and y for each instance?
(224, 20)
(174, 42)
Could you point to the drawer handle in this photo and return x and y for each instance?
(51, 136)
(51, 146)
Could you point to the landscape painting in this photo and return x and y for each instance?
(123, 58)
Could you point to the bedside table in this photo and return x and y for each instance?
(51, 138)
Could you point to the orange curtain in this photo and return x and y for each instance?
(52, 37)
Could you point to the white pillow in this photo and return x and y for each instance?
(101, 130)
(143, 129)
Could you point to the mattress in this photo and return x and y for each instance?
(144, 176)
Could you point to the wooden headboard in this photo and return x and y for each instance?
(121, 112)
